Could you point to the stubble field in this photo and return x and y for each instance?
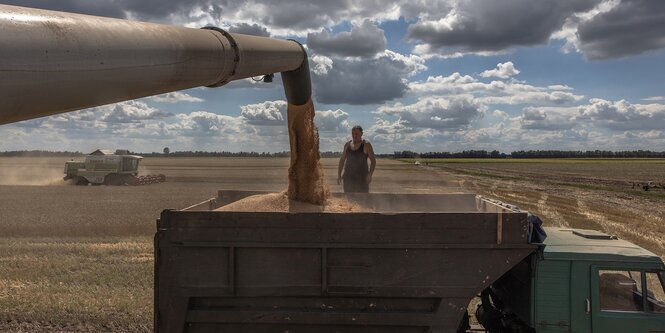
(76, 258)
(578, 193)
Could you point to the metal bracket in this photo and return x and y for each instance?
(236, 58)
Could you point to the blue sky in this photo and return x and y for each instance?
(420, 75)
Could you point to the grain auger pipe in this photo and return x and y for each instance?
(54, 62)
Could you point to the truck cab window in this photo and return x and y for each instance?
(620, 290)
(656, 295)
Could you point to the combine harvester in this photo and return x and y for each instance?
(108, 168)
(412, 263)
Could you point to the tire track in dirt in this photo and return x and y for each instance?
(634, 217)
(630, 232)
(550, 212)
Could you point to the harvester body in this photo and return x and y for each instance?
(107, 169)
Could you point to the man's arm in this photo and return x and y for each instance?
(372, 159)
(340, 167)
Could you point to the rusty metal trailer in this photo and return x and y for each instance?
(412, 264)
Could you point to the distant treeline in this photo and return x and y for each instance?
(40, 153)
(534, 154)
(229, 154)
(46, 153)
(397, 154)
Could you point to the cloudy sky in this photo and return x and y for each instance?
(420, 75)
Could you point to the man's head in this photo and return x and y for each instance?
(357, 133)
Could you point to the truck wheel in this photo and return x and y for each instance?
(464, 325)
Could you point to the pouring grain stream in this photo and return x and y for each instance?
(308, 191)
(306, 181)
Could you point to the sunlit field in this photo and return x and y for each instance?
(600, 194)
(80, 258)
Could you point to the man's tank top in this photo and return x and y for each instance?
(355, 168)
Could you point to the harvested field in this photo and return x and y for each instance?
(609, 174)
(578, 193)
(79, 258)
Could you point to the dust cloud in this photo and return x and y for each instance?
(32, 176)
(32, 171)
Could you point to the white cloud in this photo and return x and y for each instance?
(559, 87)
(601, 29)
(132, 112)
(365, 81)
(364, 40)
(476, 26)
(202, 123)
(175, 97)
(598, 125)
(550, 119)
(123, 114)
(332, 121)
(533, 97)
(249, 29)
(395, 135)
(288, 17)
(322, 64)
(496, 92)
(622, 115)
(502, 71)
(269, 113)
(550, 114)
(436, 113)
(500, 114)
(602, 114)
(413, 64)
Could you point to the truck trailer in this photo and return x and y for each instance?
(411, 263)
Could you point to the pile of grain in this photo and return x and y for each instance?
(280, 202)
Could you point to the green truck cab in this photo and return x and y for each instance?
(580, 281)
